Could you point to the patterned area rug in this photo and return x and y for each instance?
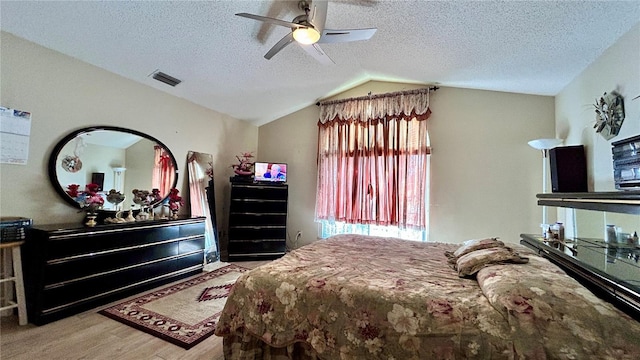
(184, 313)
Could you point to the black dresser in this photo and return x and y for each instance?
(257, 220)
(69, 268)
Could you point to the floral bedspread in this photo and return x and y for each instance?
(358, 297)
(554, 316)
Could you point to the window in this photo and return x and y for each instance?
(373, 165)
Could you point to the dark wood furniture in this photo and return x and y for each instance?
(257, 220)
(627, 202)
(612, 270)
(69, 268)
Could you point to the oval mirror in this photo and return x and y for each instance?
(118, 160)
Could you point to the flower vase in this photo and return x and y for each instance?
(142, 214)
(174, 213)
(91, 220)
(243, 172)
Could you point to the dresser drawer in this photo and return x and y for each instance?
(86, 290)
(191, 230)
(71, 269)
(258, 206)
(257, 233)
(65, 246)
(190, 260)
(258, 219)
(191, 245)
(257, 248)
(259, 192)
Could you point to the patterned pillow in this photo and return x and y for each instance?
(473, 245)
(471, 263)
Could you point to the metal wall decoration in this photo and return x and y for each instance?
(71, 164)
(609, 114)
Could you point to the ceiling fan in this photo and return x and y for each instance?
(308, 31)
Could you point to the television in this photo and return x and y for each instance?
(270, 172)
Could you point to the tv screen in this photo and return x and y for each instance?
(270, 172)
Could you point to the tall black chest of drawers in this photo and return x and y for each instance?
(258, 220)
(69, 268)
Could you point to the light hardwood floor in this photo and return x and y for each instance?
(89, 336)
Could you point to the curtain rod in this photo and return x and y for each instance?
(369, 96)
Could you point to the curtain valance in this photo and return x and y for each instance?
(394, 104)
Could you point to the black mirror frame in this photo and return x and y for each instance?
(53, 173)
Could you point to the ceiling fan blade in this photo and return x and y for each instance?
(336, 36)
(317, 53)
(288, 39)
(318, 16)
(271, 20)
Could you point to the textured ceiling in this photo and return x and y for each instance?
(533, 47)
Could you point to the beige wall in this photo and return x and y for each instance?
(64, 94)
(484, 175)
(293, 139)
(617, 69)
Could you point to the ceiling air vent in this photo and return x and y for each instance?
(167, 79)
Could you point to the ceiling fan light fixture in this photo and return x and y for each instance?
(307, 35)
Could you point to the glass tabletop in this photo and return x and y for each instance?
(621, 262)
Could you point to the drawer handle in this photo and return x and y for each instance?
(119, 250)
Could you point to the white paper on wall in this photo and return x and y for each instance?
(15, 129)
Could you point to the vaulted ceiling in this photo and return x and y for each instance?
(532, 47)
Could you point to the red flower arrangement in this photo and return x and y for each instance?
(244, 167)
(175, 200)
(72, 190)
(89, 199)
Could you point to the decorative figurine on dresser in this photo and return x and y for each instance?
(69, 268)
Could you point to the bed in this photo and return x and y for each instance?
(360, 297)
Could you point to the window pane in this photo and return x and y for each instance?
(330, 228)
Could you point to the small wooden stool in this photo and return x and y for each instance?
(12, 264)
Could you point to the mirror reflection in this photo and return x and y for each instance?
(117, 160)
(201, 195)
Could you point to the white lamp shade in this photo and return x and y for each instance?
(545, 144)
(306, 36)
